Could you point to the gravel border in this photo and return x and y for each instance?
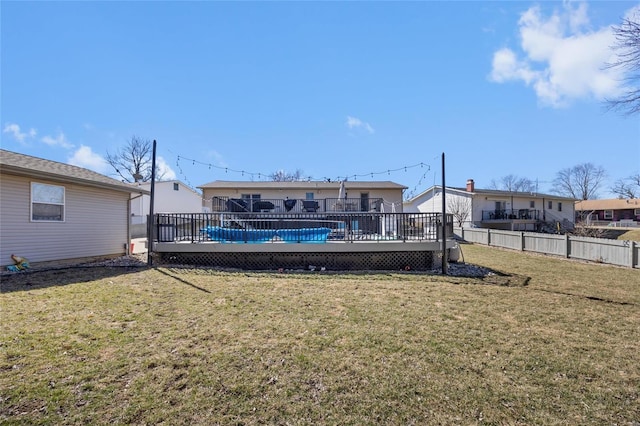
(456, 269)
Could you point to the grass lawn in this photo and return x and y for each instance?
(545, 341)
(631, 235)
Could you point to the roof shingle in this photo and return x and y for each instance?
(26, 165)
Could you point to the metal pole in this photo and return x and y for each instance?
(444, 223)
(150, 221)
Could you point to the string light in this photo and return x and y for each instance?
(354, 177)
(261, 175)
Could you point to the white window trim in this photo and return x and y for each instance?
(608, 214)
(63, 204)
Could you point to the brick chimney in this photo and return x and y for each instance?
(470, 185)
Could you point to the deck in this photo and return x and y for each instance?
(372, 241)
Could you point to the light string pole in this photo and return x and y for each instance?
(444, 222)
(150, 221)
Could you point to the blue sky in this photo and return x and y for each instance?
(333, 89)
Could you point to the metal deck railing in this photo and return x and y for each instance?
(298, 227)
(289, 206)
(511, 214)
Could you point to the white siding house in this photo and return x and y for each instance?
(53, 211)
(171, 196)
(488, 208)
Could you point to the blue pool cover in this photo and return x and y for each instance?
(300, 235)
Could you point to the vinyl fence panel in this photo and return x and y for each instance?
(601, 250)
(545, 243)
(506, 239)
(614, 252)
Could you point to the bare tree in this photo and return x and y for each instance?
(460, 208)
(627, 187)
(581, 182)
(584, 230)
(627, 47)
(133, 161)
(284, 176)
(513, 183)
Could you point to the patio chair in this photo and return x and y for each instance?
(259, 206)
(310, 206)
(236, 205)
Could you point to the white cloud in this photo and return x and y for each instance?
(59, 140)
(218, 158)
(14, 130)
(85, 157)
(356, 123)
(164, 170)
(562, 60)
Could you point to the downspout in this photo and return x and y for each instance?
(127, 249)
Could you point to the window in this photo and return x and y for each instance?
(608, 214)
(550, 205)
(636, 212)
(176, 186)
(308, 196)
(532, 204)
(254, 197)
(559, 206)
(47, 202)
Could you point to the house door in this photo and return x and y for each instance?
(500, 210)
(364, 201)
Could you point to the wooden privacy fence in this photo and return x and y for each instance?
(614, 252)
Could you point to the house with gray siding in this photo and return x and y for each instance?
(52, 211)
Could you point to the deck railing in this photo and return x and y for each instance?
(298, 227)
(511, 214)
(292, 205)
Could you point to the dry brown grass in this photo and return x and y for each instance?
(196, 346)
(632, 235)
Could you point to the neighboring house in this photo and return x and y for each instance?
(170, 196)
(53, 211)
(604, 212)
(303, 196)
(495, 209)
